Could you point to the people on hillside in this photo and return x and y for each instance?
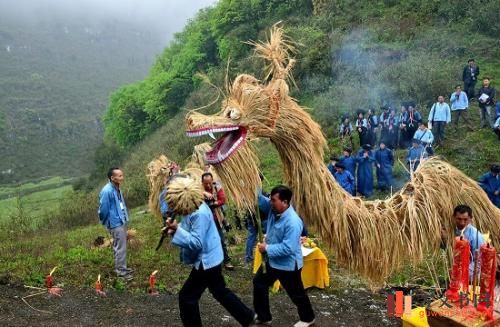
(348, 161)
(390, 129)
(384, 161)
(284, 258)
(345, 130)
(372, 124)
(425, 136)
(345, 178)
(361, 125)
(490, 183)
(469, 76)
(462, 215)
(415, 154)
(459, 107)
(113, 215)
(198, 237)
(215, 198)
(486, 98)
(365, 160)
(439, 117)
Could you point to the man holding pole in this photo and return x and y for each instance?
(281, 247)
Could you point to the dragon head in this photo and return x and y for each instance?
(250, 111)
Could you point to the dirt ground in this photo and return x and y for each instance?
(82, 307)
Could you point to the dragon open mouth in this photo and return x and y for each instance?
(234, 137)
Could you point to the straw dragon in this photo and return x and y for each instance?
(372, 238)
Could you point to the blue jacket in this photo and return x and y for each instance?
(331, 169)
(163, 203)
(198, 239)
(365, 173)
(475, 239)
(491, 184)
(349, 163)
(283, 237)
(425, 136)
(459, 102)
(416, 153)
(497, 123)
(385, 159)
(112, 208)
(440, 112)
(346, 180)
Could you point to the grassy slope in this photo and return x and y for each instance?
(36, 204)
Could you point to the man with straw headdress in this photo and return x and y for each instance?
(200, 245)
(284, 258)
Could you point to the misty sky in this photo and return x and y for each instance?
(162, 16)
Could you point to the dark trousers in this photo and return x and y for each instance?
(497, 131)
(469, 88)
(194, 287)
(438, 128)
(223, 242)
(456, 114)
(291, 282)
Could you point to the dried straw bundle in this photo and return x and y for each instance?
(373, 238)
(158, 170)
(185, 195)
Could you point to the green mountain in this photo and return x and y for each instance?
(56, 76)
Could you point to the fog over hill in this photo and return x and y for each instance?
(59, 61)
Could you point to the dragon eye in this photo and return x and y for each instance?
(233, 113)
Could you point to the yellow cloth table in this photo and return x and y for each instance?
(314, 272)
(417, 318)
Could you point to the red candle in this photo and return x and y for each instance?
(487, 283)
(152, 282)
(49, 281)
(459, 280)
(98, 285)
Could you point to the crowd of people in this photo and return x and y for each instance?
(407, 130)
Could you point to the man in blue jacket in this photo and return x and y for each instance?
(348, 161)
(365, 160)
(384, 160)
(114, 216)
(284, 258)
(415, 154)
(439, 117)
(345, 178)
(490, 183)
(200, 244)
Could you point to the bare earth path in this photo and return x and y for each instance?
(82, 307)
